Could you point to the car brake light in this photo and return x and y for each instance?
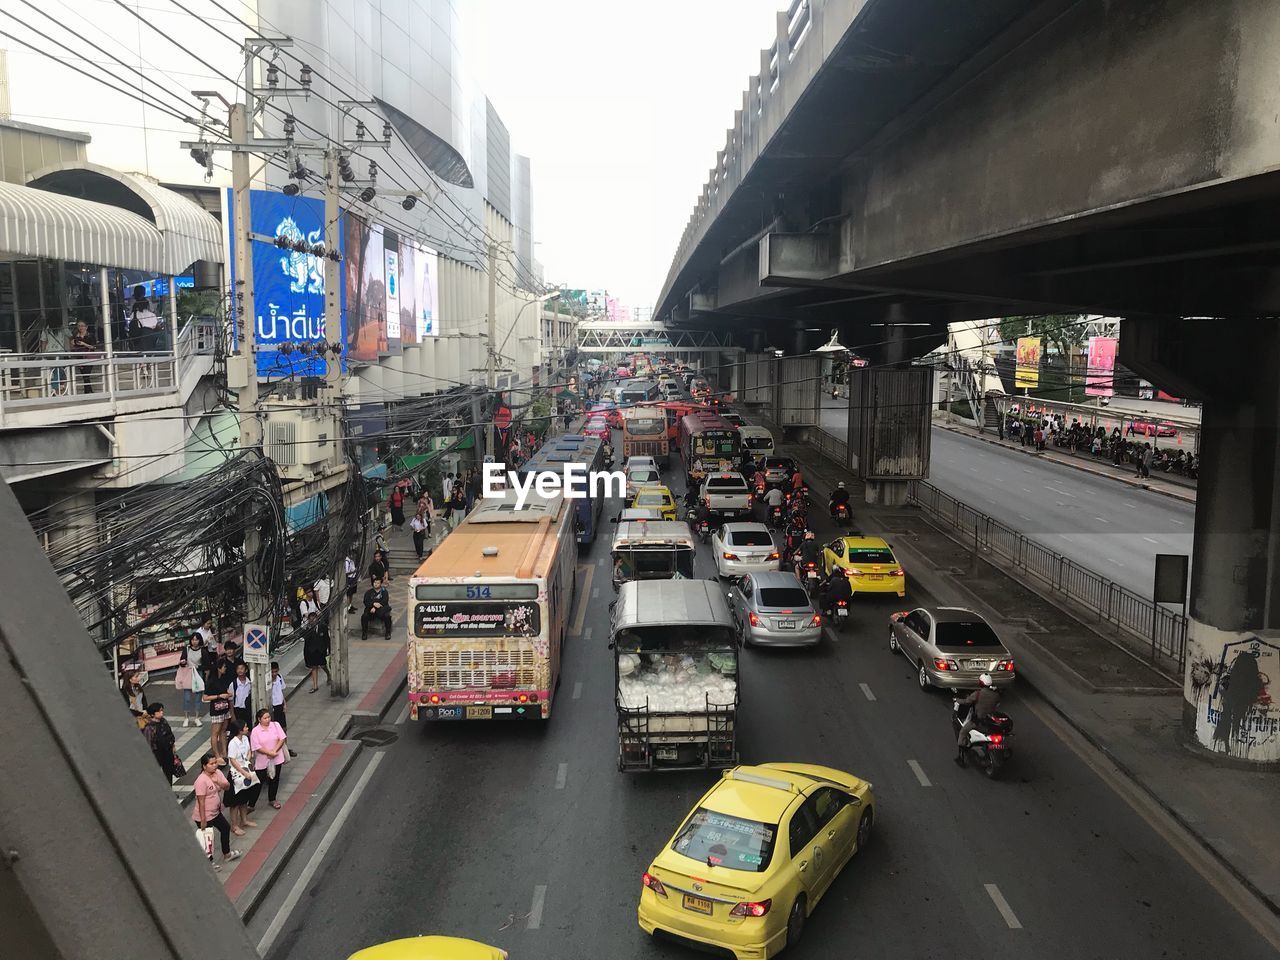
(774, 555)
(758, 909)
(942, 664)
(816, 621)
(850, 572)
(842, 603)
(730, 556)
(996, 738)
(1006, 665)
(755, 621)
(899, 572)
(654, 884)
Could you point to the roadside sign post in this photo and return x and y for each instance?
(257, 649)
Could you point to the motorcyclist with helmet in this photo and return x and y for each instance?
(794, 537)
(839, 497)
(982, 703)
(834, 589)
(807, 554)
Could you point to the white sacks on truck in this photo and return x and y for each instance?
(673, 683)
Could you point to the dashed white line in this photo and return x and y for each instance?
(577, 690)
(1150, 540)
(1102, 519)
(586, 633)
(1062, 492)
(535, 912)
(920, 775)
(1115, 561)
(1178, 522)
(404, 715)
(1024, 516)
(866, 692)
(1003, 906)
(562, 774)
(595, 594)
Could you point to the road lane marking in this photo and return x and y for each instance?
(915, 768)
(309, 871)
(595, 594)
(535, 912)
(1102, 520)
(582, 600)
(562, 773)
(866, 692)
(1024, 516)
(1002, 905)
(1178, 522)
(1115, 561)
(1150, 540)
(577, 690)
(586, 633)
(404, 715)
(1026, 489)
(1061, 492)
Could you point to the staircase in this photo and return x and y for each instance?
(990, 412)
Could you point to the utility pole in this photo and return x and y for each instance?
(339, 661)
(492, 381)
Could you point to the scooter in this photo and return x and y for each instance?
(775, 516)
(840, 513)
(807, 573)
(990, 740)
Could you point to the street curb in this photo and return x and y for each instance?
(249, 901)
(1070, 462)
(1191, 831)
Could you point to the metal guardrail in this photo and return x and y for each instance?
(830, 447)
(1164, 631)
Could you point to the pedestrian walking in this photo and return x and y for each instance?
(242, 794)
(163, 744)
(206, 811)
(217, 694)
(315, 652)
(427, 507)
(459, 503)
(276, 687)
(1147, 455)
(395, 503)
(447, 487)
(377, 606)
(419, 525)
(353, 581)
(269, 754)
(242, 694)
(193, 667)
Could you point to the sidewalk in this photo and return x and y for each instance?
(1178, 488)
(318, 728)
(1126, 709)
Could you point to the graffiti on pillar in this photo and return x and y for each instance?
(1241, 716)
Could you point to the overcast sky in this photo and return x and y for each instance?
(620, 106)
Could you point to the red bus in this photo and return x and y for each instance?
(707, 442)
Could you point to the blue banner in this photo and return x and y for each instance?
(289, 286)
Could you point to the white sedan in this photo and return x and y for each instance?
(639, 462)
(742, 548)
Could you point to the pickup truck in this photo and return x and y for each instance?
(726, 494)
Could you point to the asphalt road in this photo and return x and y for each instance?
(528, 838)
(1106, 526)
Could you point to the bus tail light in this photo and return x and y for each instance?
(435, 698)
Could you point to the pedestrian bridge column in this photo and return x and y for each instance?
(1233, 645)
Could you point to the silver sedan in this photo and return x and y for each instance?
(773, 609)
(950, 647)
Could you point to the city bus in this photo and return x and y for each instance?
(553, 455)
(644, 432)
(707, 442)
(488, 612)
(637, 391)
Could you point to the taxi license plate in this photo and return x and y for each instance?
(786, 624)
(874, 576)
(479, 713)
(697, 904)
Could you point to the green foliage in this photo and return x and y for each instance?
(1062, 331)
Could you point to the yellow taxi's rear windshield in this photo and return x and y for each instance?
(651, 500)
(871, 555)
(720, 840)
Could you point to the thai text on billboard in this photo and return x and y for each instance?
(1027, 371)
(1100, 374)
(288, 285)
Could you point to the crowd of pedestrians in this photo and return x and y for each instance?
(1121, 449)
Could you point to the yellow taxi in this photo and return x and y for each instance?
(655, 497)
(869, 564)
(430, 948)
(749, 864)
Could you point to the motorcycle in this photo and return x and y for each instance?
(838, 614)
(807, 573)
(840, 513)
(990, 739)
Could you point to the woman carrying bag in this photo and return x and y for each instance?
(242, 795)
(207, 809)
(189, 679)
(269, 753)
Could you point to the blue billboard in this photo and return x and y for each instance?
(288, 286)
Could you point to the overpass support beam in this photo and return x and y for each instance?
(1233, 645)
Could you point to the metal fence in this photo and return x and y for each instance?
(1163, 631)
(830, 447)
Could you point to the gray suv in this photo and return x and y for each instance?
(773, 609)
(950, 647)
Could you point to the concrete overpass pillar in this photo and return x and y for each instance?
(1233, 644)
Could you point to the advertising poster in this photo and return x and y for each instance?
(392, 278)
(366, 291)
(427, 292)
(1027, 372)
(408, 293)
(288, 285)
(1099, 378)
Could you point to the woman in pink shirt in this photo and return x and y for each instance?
(207, 809)
(269, 753)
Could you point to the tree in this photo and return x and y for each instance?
(1062, 331)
